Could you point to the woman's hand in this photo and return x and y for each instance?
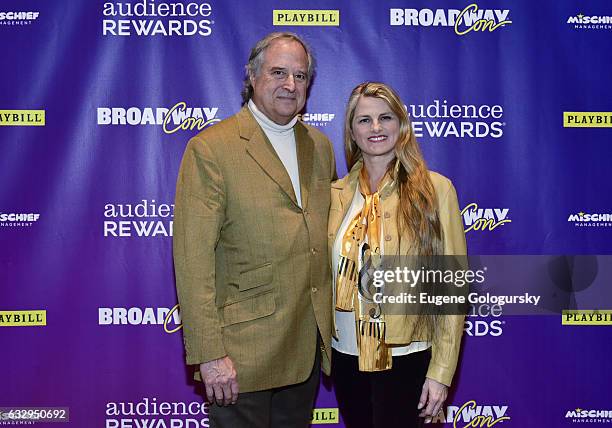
(432, 398)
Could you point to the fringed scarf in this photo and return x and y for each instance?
(374, 353)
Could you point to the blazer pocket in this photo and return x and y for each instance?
(261, 275)
(256, 307)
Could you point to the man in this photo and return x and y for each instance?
(250, 247)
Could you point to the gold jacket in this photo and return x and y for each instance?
(251, 266)
(401, 328)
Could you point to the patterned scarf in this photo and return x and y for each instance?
(352, 294)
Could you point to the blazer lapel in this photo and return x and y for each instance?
(305, 156)
(261, 150)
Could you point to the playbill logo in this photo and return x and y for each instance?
(23, 318)
(22, 118)
(587, 119)
(319, 18)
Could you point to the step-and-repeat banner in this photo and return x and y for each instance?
(511, 100)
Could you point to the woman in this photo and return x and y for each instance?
(389, 370)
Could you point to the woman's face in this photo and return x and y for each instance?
(375, 128)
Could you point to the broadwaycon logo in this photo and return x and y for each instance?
(23, 318)
(179, 117)
(142, 316)
(471, 18)
(587, 119)
(484, 219)
(22, 118)
(319, 18)
(472, 415)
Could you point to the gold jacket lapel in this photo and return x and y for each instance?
(305, 156)
(261, 150)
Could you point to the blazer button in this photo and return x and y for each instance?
(313, 251)
(388, 238)
(314, 289)
(387, 214)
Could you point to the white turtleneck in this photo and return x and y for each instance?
(282, 138)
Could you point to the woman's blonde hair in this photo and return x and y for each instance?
(418, 210)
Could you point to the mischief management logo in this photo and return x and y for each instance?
(583, 219)
(148, 18)
(145, 219)
(319, 120)
(178, 117)
(592, 416)
(443, 120)
(590, 22)
(18, 219)
(18, 17)
(469, 19)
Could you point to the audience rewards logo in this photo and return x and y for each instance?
(169, 318)
(178, 117)
(484, 320)
(148, 18)
(484, 219)
(587, 119)
(18, 17)
(319, 18)
(471, 414)
(469, 19)
(320, 120)
(583, 219)
(442, 120)
(590, 22)
(22, 118)
(28, 318)
(323, 416)
(149, 413)
(145, 219)
(18, 219)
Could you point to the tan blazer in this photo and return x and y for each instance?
(251, 266)
(401, 328)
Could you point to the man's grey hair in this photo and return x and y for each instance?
(256, 59)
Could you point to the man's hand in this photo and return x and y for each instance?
(432, 398)
(219, 377)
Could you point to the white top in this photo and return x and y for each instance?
(282, 138)
(345, 321)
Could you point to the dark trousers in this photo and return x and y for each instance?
(386, 399)
(285, 407)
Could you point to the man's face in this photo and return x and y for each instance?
(279, 89)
